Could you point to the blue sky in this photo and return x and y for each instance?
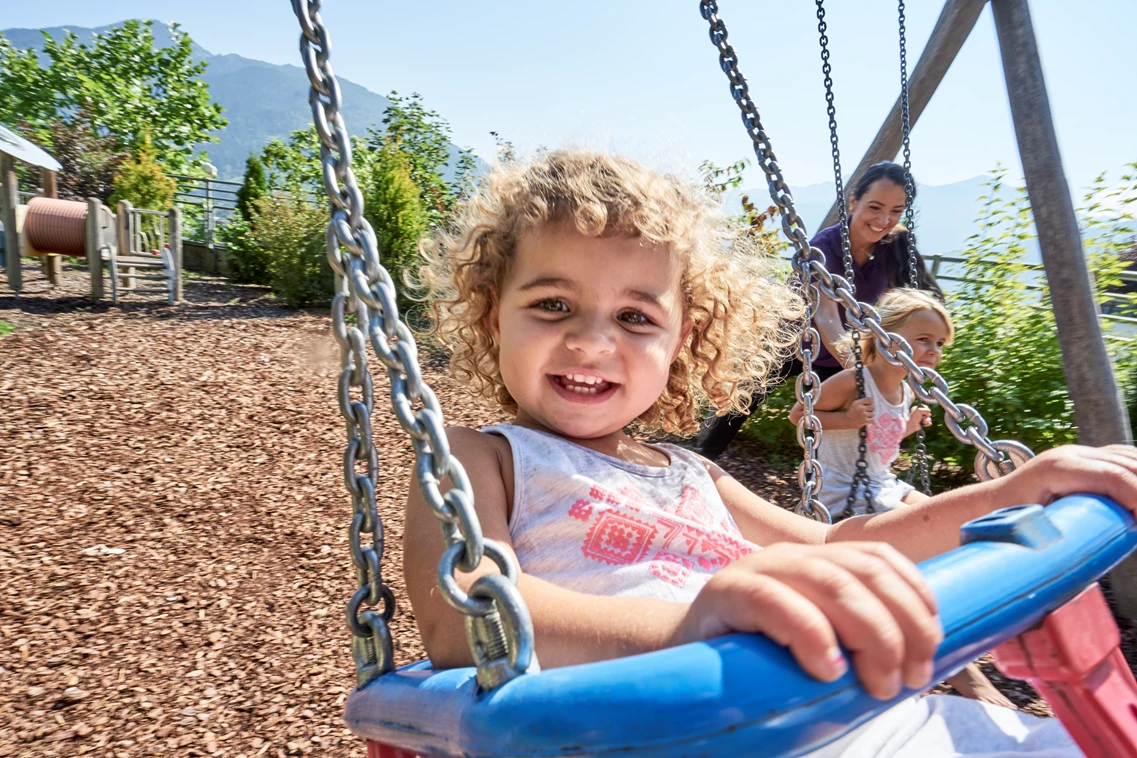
(642, 78)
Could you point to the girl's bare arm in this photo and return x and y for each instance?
(932, 527)
(838, 407)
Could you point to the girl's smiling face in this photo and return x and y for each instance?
(927, 333)
(587, 329)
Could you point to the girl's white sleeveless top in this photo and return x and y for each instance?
(838, 450)
(600, 525)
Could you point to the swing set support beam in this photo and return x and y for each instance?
(1098, 407)
(1099, 410)
(952, 29)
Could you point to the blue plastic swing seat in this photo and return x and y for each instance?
(743, 694)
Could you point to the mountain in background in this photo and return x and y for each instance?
(262, 101)
(945, 214)
(265, 101)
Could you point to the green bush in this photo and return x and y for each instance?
(142, 181)
(395, 210)
(290, 231)
(1006, 360)
(249, 261)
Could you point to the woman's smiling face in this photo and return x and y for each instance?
(875, 213)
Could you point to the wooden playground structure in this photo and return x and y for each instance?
(139, 250)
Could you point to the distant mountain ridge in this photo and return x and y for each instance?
(945, 214)
(262, 101)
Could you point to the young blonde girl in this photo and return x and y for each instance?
(888, 412)
(887, 409)
(583, 293)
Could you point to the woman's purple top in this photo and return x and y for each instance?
(871, 280)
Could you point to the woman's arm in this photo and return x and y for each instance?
(838, 407)
(829, 326)
(571, 627)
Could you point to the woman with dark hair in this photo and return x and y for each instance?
(880, 263)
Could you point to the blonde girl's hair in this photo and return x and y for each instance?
(895, 307)
(745, 323)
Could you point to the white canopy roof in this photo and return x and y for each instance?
(18, 147)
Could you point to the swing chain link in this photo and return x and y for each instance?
(498, 623)
(919, 453)
(861, 480)
(906, 134)
(863, 316)
(808, 384)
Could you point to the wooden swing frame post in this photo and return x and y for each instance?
(1099, 410)
(9, 199)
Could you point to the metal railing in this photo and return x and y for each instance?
(1112, 310)
(205, 202)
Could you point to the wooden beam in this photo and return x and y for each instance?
(1099, 409)
(9, 199)
(48, 180)
(96, 235)
(952, 28)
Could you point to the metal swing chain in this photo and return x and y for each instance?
(808, 385)
(861, 478)
(965, 423)
(497, 622)
(919, 452)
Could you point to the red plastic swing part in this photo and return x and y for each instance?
(1073, 659)
(376, 750)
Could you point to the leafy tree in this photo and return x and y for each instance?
(394, 208)
(88, 160)
(294, 166)
(719, 180)
(254, 187)
(142, 181)
(121, 84)
(424, 137)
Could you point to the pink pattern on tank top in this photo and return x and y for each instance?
(618, 538)
(671, 567)
(884, 435)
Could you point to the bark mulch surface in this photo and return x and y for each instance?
(173, 553)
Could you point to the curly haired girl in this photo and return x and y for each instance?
(584, 292)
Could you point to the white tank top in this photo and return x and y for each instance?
(838, 450)
(600, 525)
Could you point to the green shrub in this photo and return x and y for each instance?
(290, 231)
(249, 261)
(395, 210)
(1006, 360)
(142, 181)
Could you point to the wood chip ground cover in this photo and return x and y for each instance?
(173, 553)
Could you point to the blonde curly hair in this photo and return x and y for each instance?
(895, 307)
(745, 323)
